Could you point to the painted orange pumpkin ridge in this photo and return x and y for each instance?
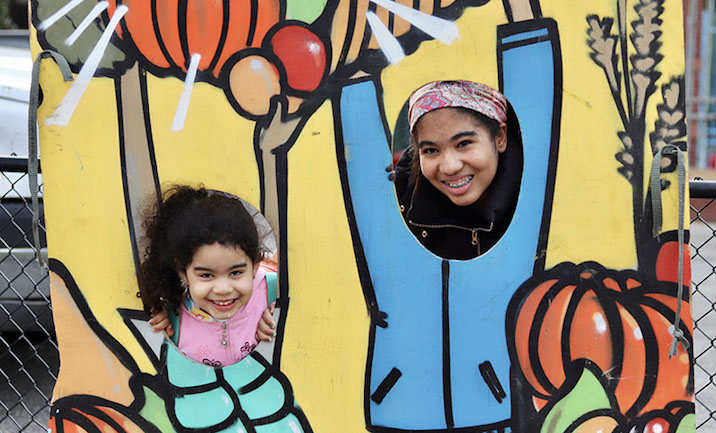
(167, 37)
(610, 318)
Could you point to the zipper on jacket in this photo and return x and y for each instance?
(473, 231)
(476, 240)
(224, 336)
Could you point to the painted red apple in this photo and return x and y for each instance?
(302, 54)
(657, 425)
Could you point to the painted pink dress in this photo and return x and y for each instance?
(219, 343)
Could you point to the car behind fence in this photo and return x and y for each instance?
(29, 359)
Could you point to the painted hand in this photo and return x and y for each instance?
(522, 10)
(278, 132)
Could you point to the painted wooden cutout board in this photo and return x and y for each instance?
(564, 326)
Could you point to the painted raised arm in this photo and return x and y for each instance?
(522, 10)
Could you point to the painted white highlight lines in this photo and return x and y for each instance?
(94, 13)
(64, 111)
(443, 30)
(183, 106)
(64, 10)
(388, 43)
(294, 427)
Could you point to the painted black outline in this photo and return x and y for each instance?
(447, 379)
(226, 87)
(182, 21)
(579, 367)
(226, 9)
(364, 277)
(118, 68)
(160, 38)
(251, 34)
(256, 383)
(131, 224)
(283, 271)
(550, 25)
(290, 91)
(386, 385)
(373, 61)
(632, 300)
(492, 381)
(123, 356)
(127, 316)
(160, 383)
(73, 407)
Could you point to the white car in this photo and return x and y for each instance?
(24, 287)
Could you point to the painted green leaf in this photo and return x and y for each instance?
(687, 424)
(53, 37)
(155, 411)
(304, 10)
(587, 395)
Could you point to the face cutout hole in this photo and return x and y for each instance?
(226, 289)
(457, 178)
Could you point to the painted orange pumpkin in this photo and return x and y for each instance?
(168, 32)
(585, 311)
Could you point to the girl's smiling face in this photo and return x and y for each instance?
(458, 155)
(220, 279)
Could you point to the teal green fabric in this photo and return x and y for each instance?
(272, 286)
(262, 394)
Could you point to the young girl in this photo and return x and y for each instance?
(202, 263)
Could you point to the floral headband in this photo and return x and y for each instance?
(441, 94)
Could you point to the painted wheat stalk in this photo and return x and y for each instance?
(630, 61)
(670, 125)
(638, 72)
(645, 39)
(603, 44)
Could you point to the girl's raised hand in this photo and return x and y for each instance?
(160, 322)
(266, 330)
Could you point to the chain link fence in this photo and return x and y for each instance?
(703, 305)
(29, 358)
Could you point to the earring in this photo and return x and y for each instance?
(183, 284)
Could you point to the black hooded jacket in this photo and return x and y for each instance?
(462, 232)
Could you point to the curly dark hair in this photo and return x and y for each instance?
(186, 219)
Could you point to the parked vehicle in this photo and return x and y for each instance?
(24, 287)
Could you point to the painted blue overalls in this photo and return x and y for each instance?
(438, 357)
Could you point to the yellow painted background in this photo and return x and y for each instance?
(326, 337)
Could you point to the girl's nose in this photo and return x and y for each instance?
(450, 163)
(222, 287)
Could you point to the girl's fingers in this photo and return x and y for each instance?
(265, 330)
(158, 316)
(160, 325)
(272, 307)
(268, 317)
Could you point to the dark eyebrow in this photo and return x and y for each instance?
(457, 136)
(237, 265)
(463, 134)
